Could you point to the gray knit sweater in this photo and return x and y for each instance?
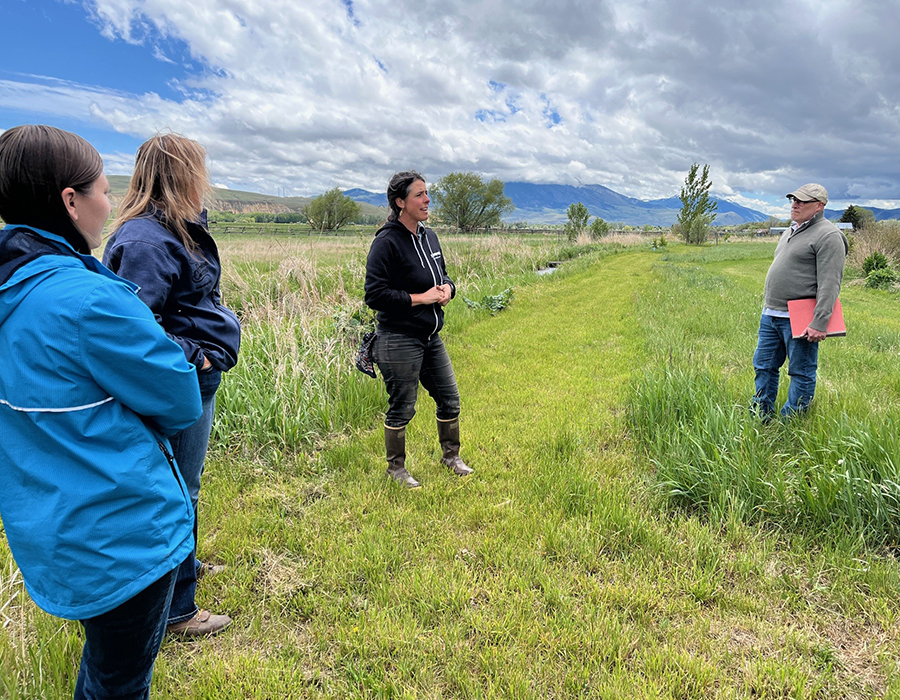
(809, 263)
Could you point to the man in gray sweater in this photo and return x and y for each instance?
(809, 263)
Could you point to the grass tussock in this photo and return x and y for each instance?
(832, 474)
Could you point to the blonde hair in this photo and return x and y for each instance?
(169, 176)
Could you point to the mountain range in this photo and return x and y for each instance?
(538, 204)
(547, 204)
(880, 214)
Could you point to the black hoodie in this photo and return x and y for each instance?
(401, 263)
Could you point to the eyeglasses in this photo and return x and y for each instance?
(801, 201)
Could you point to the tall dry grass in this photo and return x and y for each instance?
(880, 236)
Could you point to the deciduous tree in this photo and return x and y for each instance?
(467, 202)
(331, 211)
(697, 209)
(577, 222)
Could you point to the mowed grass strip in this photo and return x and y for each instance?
(443, 590)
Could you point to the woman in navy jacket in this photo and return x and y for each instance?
(162, 244)
(95, 512)
(408, 286)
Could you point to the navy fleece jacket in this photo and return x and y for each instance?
(181, 288)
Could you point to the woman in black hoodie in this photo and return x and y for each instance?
(407, 284)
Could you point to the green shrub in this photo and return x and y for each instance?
(599, 228)
(875, 261)
(881, 278)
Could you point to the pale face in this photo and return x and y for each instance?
(801, 212)
(414, 208)
(89, 211)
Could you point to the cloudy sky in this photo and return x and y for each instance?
(299, 96)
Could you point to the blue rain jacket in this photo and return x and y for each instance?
(91, 500)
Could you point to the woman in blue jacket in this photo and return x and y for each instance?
(95, 512)
(407, 284)
(161, 243)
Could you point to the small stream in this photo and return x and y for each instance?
(552, 266)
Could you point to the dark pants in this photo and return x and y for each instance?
(774, 346)
(405, 361)
(121, 645)
(189, 449)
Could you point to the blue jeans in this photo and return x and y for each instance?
(121, 645)
(189, 449)
(775, 344)
(405, 361)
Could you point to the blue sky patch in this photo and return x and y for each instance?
(99, 135)
(349, 5)
(551, 116)
(72, 48)
(490, 116)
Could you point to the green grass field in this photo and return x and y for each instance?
(629, 532)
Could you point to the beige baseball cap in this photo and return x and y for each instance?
(810, 192)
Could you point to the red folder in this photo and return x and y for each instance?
(801, 311)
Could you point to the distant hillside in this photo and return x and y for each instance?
(240, 202)
(547, 204)
(539, 204)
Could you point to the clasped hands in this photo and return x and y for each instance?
(439, 294)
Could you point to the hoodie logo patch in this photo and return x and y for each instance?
(436, 255)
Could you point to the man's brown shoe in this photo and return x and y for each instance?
(204, 569)
(203, 624)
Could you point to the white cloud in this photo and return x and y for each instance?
(308, 96)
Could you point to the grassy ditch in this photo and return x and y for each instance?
(301, 308)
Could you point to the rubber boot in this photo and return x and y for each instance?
(448, 433)
(395, 448)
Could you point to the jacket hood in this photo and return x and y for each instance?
(19, 246)
(28, 254)
(154, 212)
(397, 227)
